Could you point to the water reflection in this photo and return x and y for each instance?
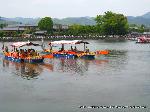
(76, 66)
(118, 60)
(25, 70)
(70, 65)
(115, 61)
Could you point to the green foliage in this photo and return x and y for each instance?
(3, 25)
(1, 34)
(81, 29)
(29, 31)
(112, 24)
(46, 24)
(137, 28)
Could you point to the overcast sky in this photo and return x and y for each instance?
(71, 8)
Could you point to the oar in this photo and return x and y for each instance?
(102, 52)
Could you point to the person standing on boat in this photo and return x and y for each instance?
(3, 48)
(6, 49)
(87, 50)
(75, 48)
(71, 48)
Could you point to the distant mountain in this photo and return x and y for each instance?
(144, 19)
(75, 20)
(23, 20)
(146, 16)
(65, 21)
(4, 21)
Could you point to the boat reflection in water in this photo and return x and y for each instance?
(75, 66)
(25, 70)
(70, 66)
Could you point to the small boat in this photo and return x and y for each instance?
(143, 39)
(72, 53)
(28, 56)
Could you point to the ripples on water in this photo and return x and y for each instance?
(71, 66)
(120, 78)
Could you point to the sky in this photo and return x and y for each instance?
(71, 8)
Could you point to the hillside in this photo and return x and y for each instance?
(144, 19)
(65, 21)
(75, 20)
(5, 21)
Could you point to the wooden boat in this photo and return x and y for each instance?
(72, 53)
(28, 56)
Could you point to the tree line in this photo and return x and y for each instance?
(108, 24)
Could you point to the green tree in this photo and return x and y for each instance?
(46, 24)
(81, 29)
(75, 29)
(142, 28)
(3, 25)
(112, 24)
(1, 34)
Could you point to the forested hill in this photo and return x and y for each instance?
(5, 21)
(144, 19)
(65, 21)
(76, 20)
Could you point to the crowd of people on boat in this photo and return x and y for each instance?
(22, 53)
(74, 49)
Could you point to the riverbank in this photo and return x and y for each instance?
(39, 38)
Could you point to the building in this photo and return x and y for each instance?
(40, 32)
(7, 29)
(60, 27)
(24, 27)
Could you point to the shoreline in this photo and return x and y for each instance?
(53, 38)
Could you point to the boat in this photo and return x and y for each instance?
(21, 55)
(143, 39)
(72, 53)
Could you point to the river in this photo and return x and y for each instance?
(63, 85)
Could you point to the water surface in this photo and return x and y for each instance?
(62, 85)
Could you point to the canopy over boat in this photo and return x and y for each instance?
(68, 42)
(21, 44)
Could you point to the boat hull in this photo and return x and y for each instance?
(13, 59)
(88, 57)
(19, 60)
(67, 56)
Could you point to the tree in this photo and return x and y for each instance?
(3, 25)
(112, 24)
(142, 28)
(1, 34)
(46, 24)
(77, 29)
